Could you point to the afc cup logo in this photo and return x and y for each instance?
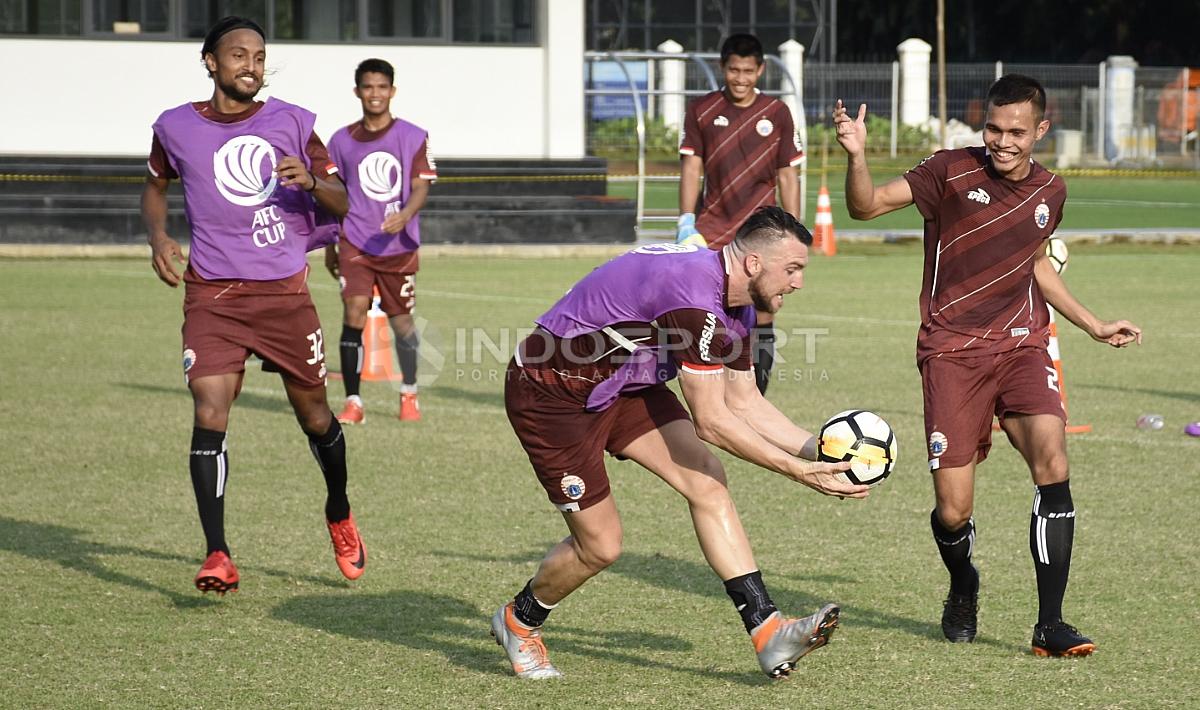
(573, 487)
(379, 176)
(238, 170)
(1041, 215)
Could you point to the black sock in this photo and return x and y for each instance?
(406, 352)
(1051, 533)
(528, 610)
(351, 349)
(956, 547)
(209, 465)
(750, 598)
(763, 355)
(330, 451)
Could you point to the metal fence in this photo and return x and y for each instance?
(1112, 114)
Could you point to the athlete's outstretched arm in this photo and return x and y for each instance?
(164, 251)
(789, 190)
(329, 192)
(716, 424)
(691, 167)
(863, 199)
(747, 403)
(416, 200)
(1117, 333)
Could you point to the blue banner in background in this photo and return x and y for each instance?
(608, 75)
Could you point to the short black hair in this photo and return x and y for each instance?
(1016, 89)
(377, 66)
(224, 26)
(770, 224)
(743, 45)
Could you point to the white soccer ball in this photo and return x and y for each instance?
(1056, 249)
(862, 438)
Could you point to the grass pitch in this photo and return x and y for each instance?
(99, 538)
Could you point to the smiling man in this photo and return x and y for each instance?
(982, 345)
(259, 191)
(592, 378)
(388, 173)
(745, 145)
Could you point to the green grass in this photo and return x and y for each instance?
(1100, 203)
(99, 538)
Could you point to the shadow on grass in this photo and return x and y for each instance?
(495, 399)
(1169, 394)
(455, 629)
(245, 399)
(69, 548)
(690, 577)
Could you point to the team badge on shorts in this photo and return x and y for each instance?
(937, 444)
(1041, 215)
(189, 359)
(573, 487)
(764, 127)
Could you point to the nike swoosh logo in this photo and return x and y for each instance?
(362, 558)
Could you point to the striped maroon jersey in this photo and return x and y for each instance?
(743, 150)
(982, 234)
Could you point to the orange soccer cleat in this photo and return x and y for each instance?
(410, 411)
(218, 574)
(348, 548)
(352, 413)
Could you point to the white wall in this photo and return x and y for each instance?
(84, 97)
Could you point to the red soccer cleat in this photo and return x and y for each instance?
(218, 574)
(348, 548)
(410, 411)
(352, 413)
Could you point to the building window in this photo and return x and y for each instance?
(404, 19)
(40, 17)
(131, 16)
(496, 21)
(280, 19)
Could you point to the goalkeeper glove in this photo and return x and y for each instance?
(686, 232)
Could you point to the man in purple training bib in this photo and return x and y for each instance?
(591, 378)
(260, 192)
(388, 170)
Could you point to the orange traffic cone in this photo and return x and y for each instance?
(823, 238)
(378, 361)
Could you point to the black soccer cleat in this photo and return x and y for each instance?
(959, 613)
(1060, 639)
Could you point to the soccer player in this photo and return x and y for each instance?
(744, 144)
(591, 378)
(251, 171)
(388, 172)
(981, 347)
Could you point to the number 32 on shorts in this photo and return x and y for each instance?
(1051, 378)
(316, 343)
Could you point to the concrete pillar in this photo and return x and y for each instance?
(561, 35)
(671, 80)
(791, 53)
(1120, 130)
(914, 81)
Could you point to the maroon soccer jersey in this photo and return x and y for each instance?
(982, 235)
(160, 167)
(743, 150)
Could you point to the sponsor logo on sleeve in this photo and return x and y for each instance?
(706, 336)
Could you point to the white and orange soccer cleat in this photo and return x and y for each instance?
(217, 574)
(348, 548)
(524, 645)
(780, 642)
(353, 412)
(410, 411)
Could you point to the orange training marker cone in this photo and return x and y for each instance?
(377, 346)
(823, 239)
(1052, 348)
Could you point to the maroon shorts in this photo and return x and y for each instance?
(225, 321)
(395, 276)
(566, 443)
(962, 394)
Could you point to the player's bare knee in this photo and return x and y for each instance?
(315, 421)
(954, 517)
(1051, 469)
(599, 554)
